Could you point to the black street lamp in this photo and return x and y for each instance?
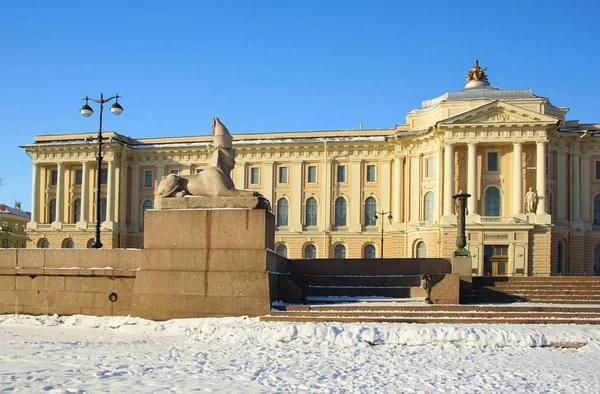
(87, 111)
(389, 218)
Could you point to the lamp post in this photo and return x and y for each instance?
(389, 218)
(87, 111)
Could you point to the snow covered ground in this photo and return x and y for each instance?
(79, 354)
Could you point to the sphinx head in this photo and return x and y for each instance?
(221, 136)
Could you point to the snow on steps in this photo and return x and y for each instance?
(393, 311)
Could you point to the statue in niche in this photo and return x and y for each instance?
(531, 201)
(477, 73)
(214, 181)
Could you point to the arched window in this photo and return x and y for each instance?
(310, 251)
(281, 250)
(103, 209)
(147, 204)
(421, 250)
(492, 201)
(340, 211)
(369, 251)
(339, 252)
(597, 260)
(51, 211)
(282, 212)
(311, 212)
(561, 257)
(597, 210)
(370, 211)
(68, 244)
(43, 243)
(90, 243)
(428, 206)
(77, 210)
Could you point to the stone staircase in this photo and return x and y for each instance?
(551, 290)
(492, 300)
(398, 311)
(329, 288)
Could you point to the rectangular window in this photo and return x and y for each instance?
(199, 170)
(53, 177)
(311, 176)
(148, 175)
(174, 172)
(429, 167)
(283, 175)
(78, 176)
(598, 170)
(254, 175)
(103, 176)
(341, 174)
(492, 161)
(371, 175)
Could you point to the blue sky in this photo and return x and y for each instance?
(264, 66)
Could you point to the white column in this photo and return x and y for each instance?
(355, 195)
(385, 184)
(160, 173)
(584, 172)
(35, 196)
(448, 179)
(561, 181)
(540, 177)
(110, 192)
(267, 181)
(398, 188)
(85, 192)
(575, 186)
(472, 177)
(517, 200)
(60, 192)
(296, 203)
(135, 209)
(326, 196)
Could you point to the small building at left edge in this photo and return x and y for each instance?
(13, 222)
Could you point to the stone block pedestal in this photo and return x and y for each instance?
(204, 262)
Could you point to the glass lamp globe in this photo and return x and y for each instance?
(116, 109)
(86, 110)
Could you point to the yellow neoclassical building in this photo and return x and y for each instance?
(534, 178)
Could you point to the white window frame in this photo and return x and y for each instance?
(151, 178)
(308, 173)
(374, 167)
(337, 173)
(429, 165)
(487, 161)
(255, 171)
(282, 172)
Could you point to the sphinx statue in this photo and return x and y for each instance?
(213, 182)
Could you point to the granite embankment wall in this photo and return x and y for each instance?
(196, 263)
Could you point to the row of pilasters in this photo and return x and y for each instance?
(474, 179)
(61, 194)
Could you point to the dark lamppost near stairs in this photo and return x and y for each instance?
(389, 218)
(87, 111)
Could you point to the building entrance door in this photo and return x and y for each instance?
(495, 260)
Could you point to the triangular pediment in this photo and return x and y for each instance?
(498, 112)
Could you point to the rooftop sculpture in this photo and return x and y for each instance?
(477, 73)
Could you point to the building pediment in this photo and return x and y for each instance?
(498, 113)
